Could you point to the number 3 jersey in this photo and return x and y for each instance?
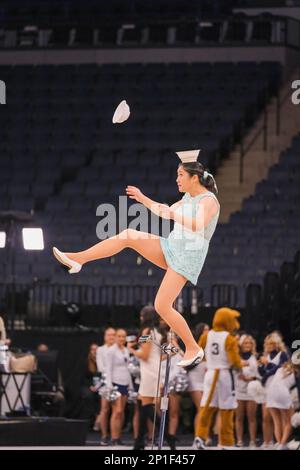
(221, 353)
(215, 352)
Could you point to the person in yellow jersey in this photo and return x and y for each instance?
(222, 355)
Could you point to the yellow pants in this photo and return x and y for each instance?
(226, 434)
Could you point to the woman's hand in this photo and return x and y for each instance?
(263, 360)
(162, 210)
(130, 347)
(243, 377)
(134, 193)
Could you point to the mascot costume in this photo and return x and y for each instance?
(221, 355)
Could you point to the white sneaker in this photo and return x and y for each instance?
(252, 445)
(193, 361)
(62, 258)
(282, 447)
(266, 446)
(222, 447)
(198, 444)
(293, 445)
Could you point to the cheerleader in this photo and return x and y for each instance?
(246, 406)
(174, 397)
(149, 357)
(101, 354)
(294, 444)
(274, 356)
(134, 368)
(118, 375)
(182, 254)
(280, 404)
(196, 375)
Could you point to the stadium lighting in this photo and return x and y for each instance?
(2, 239)
(33, 238)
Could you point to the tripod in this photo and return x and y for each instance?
(11, 219)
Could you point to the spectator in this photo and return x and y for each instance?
(279, 402)
(3, 338)
(88, 391)
(174, 397)
(57, 392)
(118, 375)
(196, 375)
(274, 356)
(101, 357)
(149, 356)
(246, 406)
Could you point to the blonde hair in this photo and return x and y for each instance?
(275, 338)
(289, 367)
(245, 337)
(2, 331)
(91, 360)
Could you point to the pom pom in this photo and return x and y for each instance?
(179, 383)
(295, 420)
(256, 391)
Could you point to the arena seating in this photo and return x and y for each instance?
(61, 156)
(266, 231)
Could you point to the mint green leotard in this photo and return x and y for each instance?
(185, 251)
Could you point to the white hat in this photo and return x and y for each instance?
(121, 113)
(188, 155)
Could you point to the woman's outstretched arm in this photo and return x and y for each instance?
(156, 207)
(207, 208)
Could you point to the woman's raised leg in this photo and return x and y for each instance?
(147, 244)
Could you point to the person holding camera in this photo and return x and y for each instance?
(149, 356)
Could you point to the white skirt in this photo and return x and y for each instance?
(148, 385)
(279, 398)
(196, 377)
(242, 390)
(279, 395)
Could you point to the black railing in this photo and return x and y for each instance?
(27, 305)
(102, 32)
(224, 295)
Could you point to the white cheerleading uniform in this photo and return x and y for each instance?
(275, 361)
(216, 358)
(116, 367)
(150, 369)
(196, 377)
(249, 372)
(270, 379)
(101, 357)
(279, 395)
